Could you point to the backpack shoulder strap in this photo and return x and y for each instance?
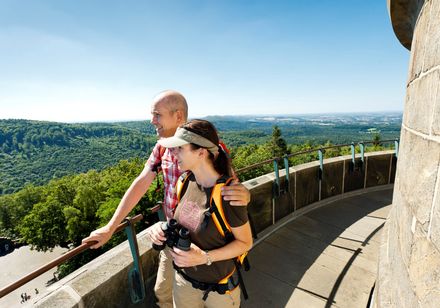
(220, 221)
(216, 203)
(182, 184)
(158, 167)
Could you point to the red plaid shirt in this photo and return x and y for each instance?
(171, 173)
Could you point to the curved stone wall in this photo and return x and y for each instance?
(305, 187)
(409, 262)
(103, 282)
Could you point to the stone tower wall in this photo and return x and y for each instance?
(409, 264)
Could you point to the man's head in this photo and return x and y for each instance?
(168, 111)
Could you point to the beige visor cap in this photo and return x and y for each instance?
(183, 136)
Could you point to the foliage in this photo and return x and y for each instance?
(33, 152)
(277, 144)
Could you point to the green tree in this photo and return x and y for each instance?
(277, 144)
(332, 152)
(44, 227)
(249, 155)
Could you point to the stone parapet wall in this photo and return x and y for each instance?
(104, 281)
(339, 176)
(409, 261)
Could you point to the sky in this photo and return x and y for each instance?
(89, 60)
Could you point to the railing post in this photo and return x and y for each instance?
(353, 152)
(362, 147)
(320, 172)
(286, 167)
(321, 164)
(135, 277)
(277, 188)
(160, 212)
(396, 147)
(353, 158)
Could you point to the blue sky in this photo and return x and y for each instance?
(89, 60)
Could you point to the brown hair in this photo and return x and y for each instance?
(222, 163)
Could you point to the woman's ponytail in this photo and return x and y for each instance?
(222, 164)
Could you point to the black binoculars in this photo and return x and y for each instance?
(176, 236)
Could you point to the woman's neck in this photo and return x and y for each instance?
(206, 175)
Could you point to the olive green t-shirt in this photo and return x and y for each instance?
(190, 214)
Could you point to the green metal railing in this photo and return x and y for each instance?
(135, 274)
(320, 152)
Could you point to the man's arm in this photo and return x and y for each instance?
(131, 197)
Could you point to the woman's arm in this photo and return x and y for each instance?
(196, 256)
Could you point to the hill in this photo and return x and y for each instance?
(34, 152)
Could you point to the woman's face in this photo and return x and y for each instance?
(187, 158)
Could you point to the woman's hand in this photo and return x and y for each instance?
(194, 256)
(156, 234)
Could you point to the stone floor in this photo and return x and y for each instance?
(325, 258)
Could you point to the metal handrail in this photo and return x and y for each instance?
(241, 170)
(70, 254)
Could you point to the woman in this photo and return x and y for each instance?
(210, 258)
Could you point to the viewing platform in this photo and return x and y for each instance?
(324, 258)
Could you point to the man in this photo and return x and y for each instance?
(169, 110)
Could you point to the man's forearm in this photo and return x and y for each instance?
(131, 197)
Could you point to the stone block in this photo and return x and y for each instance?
(378, 169)
(431, 57)
(435, 129)
(292, 187)
(435, 220)
(59, 298)
(307, 185)
(404, 220)
(420, 103)
(283, 203)
(424, 269)
(393, 288)
(354, 175)
(400, 285)
(418, 46)
(418, 160)
(260, 207)
(332, 178)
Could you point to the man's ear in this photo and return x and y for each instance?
(179, 116)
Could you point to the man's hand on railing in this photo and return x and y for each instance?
(101, 236)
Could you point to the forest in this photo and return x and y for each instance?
(35, 152)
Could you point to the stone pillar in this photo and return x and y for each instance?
(409, 261)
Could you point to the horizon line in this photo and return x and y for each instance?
(217, 115)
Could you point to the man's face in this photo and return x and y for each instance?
(164, 119)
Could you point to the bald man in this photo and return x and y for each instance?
(169, 110)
